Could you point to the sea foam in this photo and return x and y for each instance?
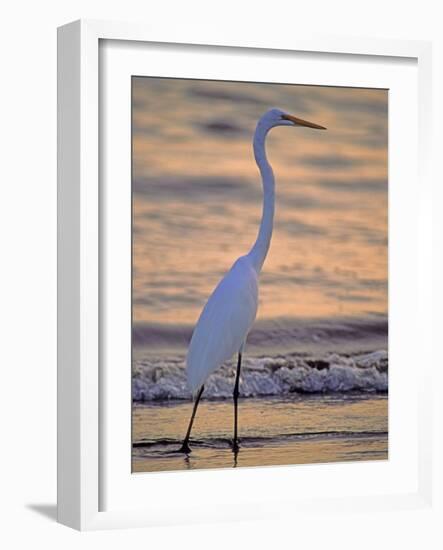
(164, 378)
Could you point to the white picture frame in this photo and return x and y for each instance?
(82, 439)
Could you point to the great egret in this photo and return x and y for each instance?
(230, 311)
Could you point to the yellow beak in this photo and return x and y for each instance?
(301, 122)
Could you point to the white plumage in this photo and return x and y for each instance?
(224, 322)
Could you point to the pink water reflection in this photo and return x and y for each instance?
(197, 198)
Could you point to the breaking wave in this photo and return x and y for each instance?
(282, 334)
(164, 378)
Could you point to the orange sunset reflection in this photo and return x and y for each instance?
(197, 198)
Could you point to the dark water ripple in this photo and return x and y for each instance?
(251, 441)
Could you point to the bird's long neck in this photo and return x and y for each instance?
(260, 248)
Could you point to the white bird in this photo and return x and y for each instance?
(230, 311)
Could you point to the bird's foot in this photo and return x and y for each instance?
(235, 446)
(185, 448)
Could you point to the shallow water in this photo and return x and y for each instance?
(298, 429)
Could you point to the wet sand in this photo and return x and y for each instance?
(299, 429)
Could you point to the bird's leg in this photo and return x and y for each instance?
(235, 445)
(185, 448)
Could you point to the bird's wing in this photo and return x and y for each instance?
(224, 322)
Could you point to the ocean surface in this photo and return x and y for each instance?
(197, 198)
(314, 384)
(309, 392)
(277, 361)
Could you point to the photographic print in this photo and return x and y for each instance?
(259, 274)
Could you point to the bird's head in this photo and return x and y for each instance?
(277, 117)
